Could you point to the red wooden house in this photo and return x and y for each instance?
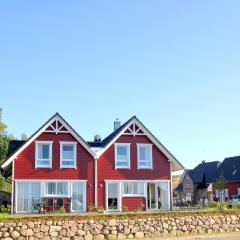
(230, 170)
(55, 168)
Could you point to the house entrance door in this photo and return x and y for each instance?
(113, 196)
(152, 201)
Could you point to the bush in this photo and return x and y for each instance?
(61, 210)
(212, 204)
(222, 205)
(4, 209)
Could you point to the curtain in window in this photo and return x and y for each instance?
(77, 196)
(28, 196)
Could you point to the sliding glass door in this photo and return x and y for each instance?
(28, 196)
(78, 191)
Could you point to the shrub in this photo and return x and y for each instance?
(61, 210)
(212, 204)
(124, 209)
(100, 209)
(4, 209)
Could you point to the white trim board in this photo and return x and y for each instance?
(56, 117)
(155, 141)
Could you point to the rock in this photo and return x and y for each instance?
(179, 233)
(139, 235)
(130, 236)
(165, 225)
(55, 228)
(111, 236)
(114, 232)
(81, 232)
(15, 234)
(44, 228)
(99, 237)
(30, 225)
(88, 236)
(27, 232)
(121, 236)
(112, 222)
(54, 234)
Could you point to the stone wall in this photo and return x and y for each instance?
(119, 227)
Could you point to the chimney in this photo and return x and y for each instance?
(117, 124)
(203, 161)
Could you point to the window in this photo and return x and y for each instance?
(122, 155)
(68, 155)
(133, 188)
(56, 188)
(77, 196)
(43, 154)
(28, 196)
(226, 192)
(144, 155)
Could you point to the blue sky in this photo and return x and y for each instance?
(174, 64)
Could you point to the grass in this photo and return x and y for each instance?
(4, 217)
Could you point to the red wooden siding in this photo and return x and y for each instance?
(24, 165)
(133, 203)
(107, 171)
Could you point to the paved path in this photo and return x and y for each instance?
(220, 236)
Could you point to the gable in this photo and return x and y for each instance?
(57, 125)
(134, 128)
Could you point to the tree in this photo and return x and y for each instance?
(3, 140)
(3, 147)
(24, 136)
(220, 185)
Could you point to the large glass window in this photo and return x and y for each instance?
(133, 188)
(44, 154)
(28, 196)
(68, 155)
(77, 196)
(144, 155)
(122, 155)
(56, 188)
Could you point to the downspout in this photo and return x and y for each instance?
(13, 195)
(95, 183)
(171, 192)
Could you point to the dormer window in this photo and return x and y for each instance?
(68, 154)
(43, 154)
(122, 155)
(144, 153)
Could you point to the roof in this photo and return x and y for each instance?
(230, 169)
(14, 145)
(111, 136)
(204, 171)
(179, 188)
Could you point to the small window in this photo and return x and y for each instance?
(56, 188)
(122, 156)
(68, 154)
(133, 188)
(43, 158)
(144, 156)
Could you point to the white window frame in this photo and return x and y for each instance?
(128, 152)
(42, 191)
(226, 192)
(132, 194)
(139, 145)
(37, 143)
(74, 144)
(56, 195)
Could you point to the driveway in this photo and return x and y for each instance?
(220, 236)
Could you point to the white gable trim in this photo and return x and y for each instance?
(58, 118)
(171, 158)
